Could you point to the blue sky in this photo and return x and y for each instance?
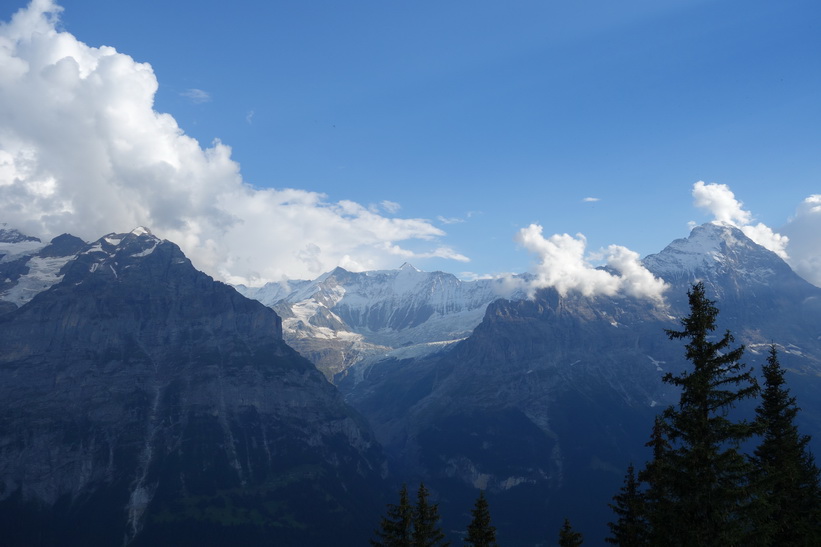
(481, 117)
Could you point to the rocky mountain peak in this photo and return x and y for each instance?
(139, 387)
(63, 245)
(11, 235)
(715, 250)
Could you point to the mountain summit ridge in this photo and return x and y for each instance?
(716, 249)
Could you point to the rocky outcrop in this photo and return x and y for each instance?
(143, 403)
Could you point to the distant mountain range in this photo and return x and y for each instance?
(137, 390)
(343, 318)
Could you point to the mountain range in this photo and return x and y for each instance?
(139, 391)
(343, 318)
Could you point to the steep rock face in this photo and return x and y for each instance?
(142, 402)
(343, 318)
(549, 399)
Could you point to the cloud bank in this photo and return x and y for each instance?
(83, 151)
(563, 264)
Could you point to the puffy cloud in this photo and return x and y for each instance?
(563, 264)
(720, 201)
(83, 151)
(804, 231)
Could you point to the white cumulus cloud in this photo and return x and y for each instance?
(562, 263)
(83, 151)
(720, 201)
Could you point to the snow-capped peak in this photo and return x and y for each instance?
(715, 248)
(141, 231)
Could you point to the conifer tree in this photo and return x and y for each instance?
(396, 527)
(480, 532)
(786, 479)
(704, 475)
(630, 528)
(426, 529)
(569, 537)
(657, 505)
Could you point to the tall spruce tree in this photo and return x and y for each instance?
(426, 529)
(657, 503)
(704, 476)
(630, 528)
(786, 479)
(480, 532)
(396, 527)
(568, 537)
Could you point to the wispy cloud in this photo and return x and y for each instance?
(196, 96)
(135, 166)
(452, 220)
(390, 206)
(439, 252)
(249, 118)
(591, 200)
(458, 220)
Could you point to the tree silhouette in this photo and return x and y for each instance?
(569, 537)
(426, 529)
(631, 528)
(480, 532)
(786, 480)
(396, 527)
(701, 483)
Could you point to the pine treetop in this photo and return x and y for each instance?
(786, 479)
(480, 532)
(426, 530)
(631, 528)
(568, 537)
(396, 527)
